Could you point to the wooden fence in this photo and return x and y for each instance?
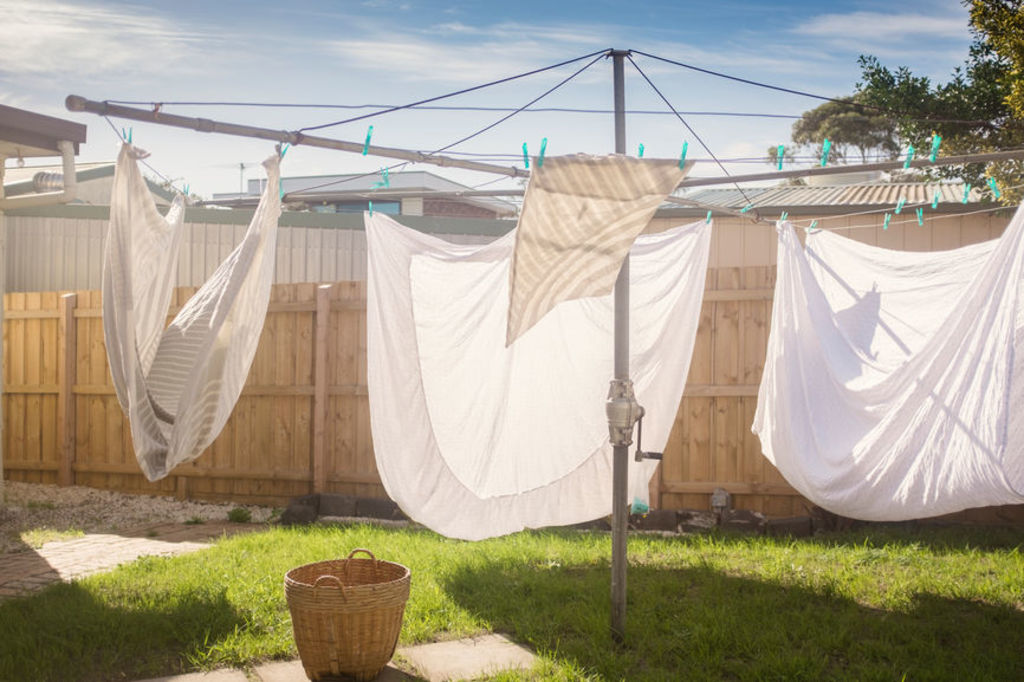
(302, 423)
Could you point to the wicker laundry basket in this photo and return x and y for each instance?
(346, 614)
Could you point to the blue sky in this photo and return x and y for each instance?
(394, 51)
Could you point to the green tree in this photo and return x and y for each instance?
(980, 108)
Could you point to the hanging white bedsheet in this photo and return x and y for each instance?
(894, 381)
(179, 385)
(580, 215)
(474, 439)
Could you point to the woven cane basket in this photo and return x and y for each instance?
(346, 614)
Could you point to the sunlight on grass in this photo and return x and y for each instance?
(875, 604)
(37, 537)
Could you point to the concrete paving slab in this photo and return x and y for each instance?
(291, 671)
(223, 675)
(464, 659)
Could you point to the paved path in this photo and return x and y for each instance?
(26, 572)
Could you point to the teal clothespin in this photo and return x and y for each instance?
(284, 150)
(995, 189)
(910, 155)
(967, 193)
(935, 199)
(126, 137)
(826, 147)
(781, 154)
(813, 228)
(543, 148)
(888, 217)
(384, 180)
(640, 152)
(369, 204)
(682, 157)
(899, 204)
(936, 143)
(746, 208)
(638, 507)
(366, 145)
(185, 191)
(708, 219)
(782, 218)
(526, 157)
(920, 216)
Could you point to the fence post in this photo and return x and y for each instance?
(67, 333)
(320, 378)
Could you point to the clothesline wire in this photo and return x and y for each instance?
(451, 94)
(481, 131)
(465, 108)
(892, 112)
(683, 121)
(756, 219)
(913, 220)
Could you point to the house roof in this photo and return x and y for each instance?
(28, 179)
(319, 188)
(24, 134)
(826, 199)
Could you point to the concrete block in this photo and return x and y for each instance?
(743, 520)
(795, 526)
(223, 675)
(376, 508)
(695, 521)
(656, 519)
(467, 659)
(298, 514)
(332, 504)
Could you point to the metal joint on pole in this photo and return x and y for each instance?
(623, 412)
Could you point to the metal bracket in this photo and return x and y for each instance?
(623, 411)
(640, 454)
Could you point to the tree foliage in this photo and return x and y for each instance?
(980, 108)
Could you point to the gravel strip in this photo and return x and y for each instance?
(31, 506)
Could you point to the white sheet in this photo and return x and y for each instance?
(891, 377)
(474, 439)
(179, 385)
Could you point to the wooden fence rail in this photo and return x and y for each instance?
(302, 422)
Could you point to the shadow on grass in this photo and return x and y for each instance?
(699, 623)
(939, 539)
(66, 633)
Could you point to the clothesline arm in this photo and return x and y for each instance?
(81, 104)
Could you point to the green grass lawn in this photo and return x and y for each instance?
(868, 605)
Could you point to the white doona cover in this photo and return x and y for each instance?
(474, 439)
(891, 376)
(179, 385)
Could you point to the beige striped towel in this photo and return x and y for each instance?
(580, 216)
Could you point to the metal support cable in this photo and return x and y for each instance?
(452, 94)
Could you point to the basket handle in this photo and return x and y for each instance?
(364, 551)
(336, 579)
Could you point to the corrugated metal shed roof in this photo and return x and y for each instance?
(832, 199)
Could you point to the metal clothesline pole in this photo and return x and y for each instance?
(620, 453)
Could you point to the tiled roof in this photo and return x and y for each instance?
(832, 197)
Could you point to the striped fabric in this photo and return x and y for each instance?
(580, 216)
(179, 385)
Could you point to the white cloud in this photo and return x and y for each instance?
(880, 27)
(51, 37)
